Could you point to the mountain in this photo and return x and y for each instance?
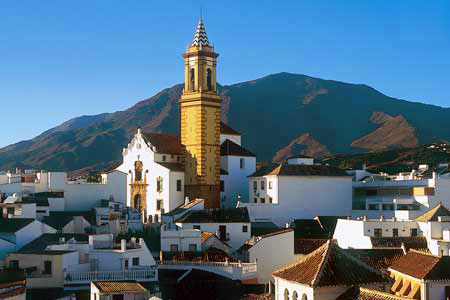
(279, 115)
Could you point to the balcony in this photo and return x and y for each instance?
(141, 274)
(234, 271)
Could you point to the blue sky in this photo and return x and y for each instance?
(62, 59)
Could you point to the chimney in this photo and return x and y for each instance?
(123, 245)
(141, 242)
(133, 241)
(186, 200)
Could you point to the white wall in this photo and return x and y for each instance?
(236, 182)
(182, 238)
(281, 285)
(237, 237)
(271, 253)
(31, 232)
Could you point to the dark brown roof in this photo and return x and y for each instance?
(225, 129)
(329, 265)
(321, 227)
(164, 143)
(14, 225)
(357, 293)
(275, 233)
(119, 286)
(432, 215)
(231, 148)
(306, 246)
(418, 242)
(210, 255)
(174, 167)
(223, 215)
(284, 169)
(424, 266)
(380, 259)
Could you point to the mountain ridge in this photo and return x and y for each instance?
(282, 106)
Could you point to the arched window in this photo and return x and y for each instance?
(286, 294)
(209, 79)
(137, 202)
(294, 295)
(191, 79)
(304, 297)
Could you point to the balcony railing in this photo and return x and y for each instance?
(142, 274)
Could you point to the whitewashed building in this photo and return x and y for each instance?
(123, 290)
(270, 252)
(298, 190)
(231, 225)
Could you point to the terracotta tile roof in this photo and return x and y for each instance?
(231, 148)
(275, 233)
(119, 286)
(223, 215)
(174, 167)
(418, 242)
(432, 215)
(306, 246)
(206, 236)
(225, 129)
(330, 266)
(284, 169)
(357, 293)
(258, 297)
(422, 265)
(164, 143)
(379, 259)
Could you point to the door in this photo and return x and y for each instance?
(117, 297)
(223, 232)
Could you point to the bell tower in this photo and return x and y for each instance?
(200, 121)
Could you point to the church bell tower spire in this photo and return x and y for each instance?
(200, 120)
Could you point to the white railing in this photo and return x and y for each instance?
(235, 271)
(141, 274)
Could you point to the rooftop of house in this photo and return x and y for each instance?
(223, 215)
(434, 214)
(255, 239)
(285, 169)
(330, 265)
(359, 293)
(10, 275)
(48, 239)
(164, 143)
(380, 259)
(210, 255)
(59, 219)
(306, 246)
(230, 148)
(13, 225)
(418, 242)
(206, 236)
(423, 266)
(184, 207)
(321, 227)
(227, 130)
(44, 252)
(261, 228)
(119, 286)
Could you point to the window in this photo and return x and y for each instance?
(164, 158)
(10, 210)
(413, 231)
(255, 185)
(378, 232)
(197, 227)
(116, 207)
(174, 248)
(304, 297)
(192, 247)
(135, 261)
(256, 200)
(179, 185)
(262, 185)
(373, 206)
(47, 267)
(270, 199)
(294, 295)
(159, 204)
(125, 262)
(286, 294)
(388, 206)
(137, 202)
(192, 79)
(395, 232)
(222, 186)
(263, 200)
(371, 192)
(244, 228)
(242, 163)
(178, 159)
(117, 297)
(209, 79)
(270, 185)
(138, 171)
(159, 184)
(14, 264)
